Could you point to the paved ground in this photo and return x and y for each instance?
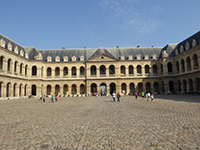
(99, 123)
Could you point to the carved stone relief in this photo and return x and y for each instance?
(154, 56)
(187, 46)
(194, 43)
(164, 54)
(146, 57)
(49, 59)
(39, 56)
(138, 57)
(181, 49)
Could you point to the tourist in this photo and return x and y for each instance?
(40, 97)
(99, 94)
(113, 96)
(118, 97)
(149, 95)
(56, 98)
(146, 96)
(142, 94)
(44, 98)
(152, 98)
(136, 94)
(52, 98)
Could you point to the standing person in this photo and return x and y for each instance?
(142, 94)
(136, 94)
(52, 98)
(152, 98)
(44, 98)
(56, 98)
(148, 96)
(118, 97)
(40, 97)
(113, 96)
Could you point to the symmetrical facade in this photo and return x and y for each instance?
(27, 71)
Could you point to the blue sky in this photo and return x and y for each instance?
(52, 24)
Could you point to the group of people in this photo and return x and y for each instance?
(52, 98)
(118, 96)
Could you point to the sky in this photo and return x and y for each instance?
(53, 24)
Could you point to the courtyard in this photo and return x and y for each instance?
(171, 123)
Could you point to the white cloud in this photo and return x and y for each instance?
(129, 15)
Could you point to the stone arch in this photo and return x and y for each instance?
(146, 68)
(2, 59)
(65, 89)
(34, 70)
(148, 87)
(102, 70)
(57, 89)
(74, 89)
(20, 90)
(184, 85)
(73, 71)
(48, 89)
(8, 89)
(65, 71)
(25, 89)
(190, 84)
(140, 87)
(123, 88)
(156, 87)
(57, 71)
(111, 69)
(15, 66)
(155, 69)
(139, 69)
(82, 71)
(188, 62)
(93, 88)
(15, 90)
(103, 89)
(82, 89)
(112, 88)
(9, 64)
(177, 66)
(49, 71)
(123, 70)
(182, 65)
(21, 68)
(26, 69)
(33, 89)
(169, 67)
(93, 70)
(130, 70)
(195, 61)
(132, 88)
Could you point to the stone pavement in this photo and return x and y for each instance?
(172, 123)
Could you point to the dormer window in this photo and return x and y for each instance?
(2, 43)
(73, 58)
(49, 59)
(82, 58)
(187, 46)
(57, 59)
(122, 57)
(138, 57)
(146, 57)
(194, 43)
(16, 49)
(9, 46)
(130, 57)
(65, 58)
(21, 52)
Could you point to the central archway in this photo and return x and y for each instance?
(112, 88)
(103, 89)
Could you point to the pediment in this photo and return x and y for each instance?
(102, 57)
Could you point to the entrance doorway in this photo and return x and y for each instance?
(103, 89)
(112, 88)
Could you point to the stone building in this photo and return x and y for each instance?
(79, 72)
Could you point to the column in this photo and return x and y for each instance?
(152, 87)
(192, 64)
(128, 89)
(22, 90)
(61, 90)
(78, 73)
(70, 90)
(98, 72)
(69, 72)
(144, 87)
(107, 89)
(187, 86)
(98, 88)
(39, 72)
(5, 64)
(126, 71)
(28, 90)
(78, 90)
(107, 72)
(143, 71)
(53, 74)
(151, 71)
(3, 90)
(135, 71)
(88, 89)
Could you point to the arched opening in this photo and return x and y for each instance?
(57, 89)
(42, 69)
(112, 88)
(123, 87)
(103, 89)
(9, 64)
(161, 68)
(15, 90)
(139, 69)
(74, 90)
(57, 71)
(111, 70)
(1, 62)
(49, 71)
(82, 71)
(21, 67)
(163, 87)
(140, 87)
(65, 89)
(102, 70)
(15, 67)
(179, 85)
(195, 61)
(34, 71)
(48, 89)
(148, 87)
(130, 68)
(26, 68)
(177, 67)
(20, 90)
(123, 70)
(93, 70)
(188, 62)
(132, 87)
(184, 86)
(65, 71)
(197, 84)
(25, 87)
(182, 65)
(156, 87)
(82, 89)
(1, 86)
(33, 89)
(190, 83)
(93, 88)
(171, 86)
(169, 67)
(73, 71)
(155, 69)
(147, 69)
(8, 89)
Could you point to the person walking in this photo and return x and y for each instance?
(44, 99)
(136, 94)
(118, 97)
(142, 94)
(52, 99)
(113, 96)
(40, 98)
(146, 96)
(152, 98)
(56, 98)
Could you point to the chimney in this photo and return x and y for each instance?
(84, 47)
(117, 46)
(63, 47)
(152, 46)
(138, 46)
